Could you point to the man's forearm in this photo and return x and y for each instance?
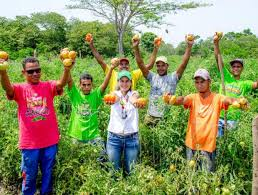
(6, 84)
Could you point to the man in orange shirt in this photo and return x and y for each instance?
(205, 107)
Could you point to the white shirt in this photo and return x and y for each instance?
(124, 117)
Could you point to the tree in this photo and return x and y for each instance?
(52, 30)
(147, 41)
(126, 14)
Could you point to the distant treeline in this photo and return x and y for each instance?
(46, 33)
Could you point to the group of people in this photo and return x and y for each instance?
(39, 135)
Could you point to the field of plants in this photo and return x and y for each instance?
(162, 167)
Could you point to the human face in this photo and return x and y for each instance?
(124, 65)
(32, 72)
(162, 68)
(236, 69)
(202, 85)
(125, 84)
(86, 86)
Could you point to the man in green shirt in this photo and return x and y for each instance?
(234, 87)
(84, 124)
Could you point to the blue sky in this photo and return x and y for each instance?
(224, 15)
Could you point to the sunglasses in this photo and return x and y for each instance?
(38, 70)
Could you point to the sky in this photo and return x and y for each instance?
(224, 15)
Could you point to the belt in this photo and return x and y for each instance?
(124, 135)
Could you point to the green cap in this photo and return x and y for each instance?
(124, 73)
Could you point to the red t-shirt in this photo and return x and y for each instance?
(36, 114)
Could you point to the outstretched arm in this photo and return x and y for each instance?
(217, 53)
(114, 64)
(140, 63)
(97, 55)
(186, 57)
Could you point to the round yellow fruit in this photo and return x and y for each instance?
(242, 101)
(219, 34)
(172, 100)
(67, 62)
(192, 163)
(235, 104)
(136, 37)
(3, 55)
(64, 54)
(115, 61)
(172, 168)
(72, 55)
(4, 65)
(190, 37)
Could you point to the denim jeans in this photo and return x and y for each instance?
(205, 160)
(126, 146)
(31, 159)
(230, 126)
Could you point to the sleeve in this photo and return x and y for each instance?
(188, 101)
(107, 69)
(150, 76)
(175, 77)
(73, 93)
(17, 91)
(137, 74)
(248, 86)
(53, 88)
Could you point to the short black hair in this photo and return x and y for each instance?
(86, 76)
(29, 60)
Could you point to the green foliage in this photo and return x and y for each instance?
(77, 171)
(147, 40)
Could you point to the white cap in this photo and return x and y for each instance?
(162, 59)
(203, 73)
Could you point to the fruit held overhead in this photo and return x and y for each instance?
(3, 55)
(88, 37)
(190, 37)
(136, 38)
(3, 64)
(67, 56)
(157, 41)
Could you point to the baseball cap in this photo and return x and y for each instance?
(124, 59)
(241, 61)
(124, 73)
(162, 59)
(203, 73)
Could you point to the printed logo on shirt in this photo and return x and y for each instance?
(36, 107)
(233, 89)
(84, 110)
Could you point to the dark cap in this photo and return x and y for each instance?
(241, 61)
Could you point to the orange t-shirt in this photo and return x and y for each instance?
(203, 120)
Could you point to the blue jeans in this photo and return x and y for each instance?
(205, 160)
(230, 126)
(31, 158)
(127, 145)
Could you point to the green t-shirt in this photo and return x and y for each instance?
(84, 123)
(235, 89)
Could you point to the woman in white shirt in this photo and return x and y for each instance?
(123, 126)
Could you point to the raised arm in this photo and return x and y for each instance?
(114, 64)
(70, 81)
(217, 53)
(97, 55)
(5, 82)
(157, 43)
(66, 76)
(140, 63)
(186, 57)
